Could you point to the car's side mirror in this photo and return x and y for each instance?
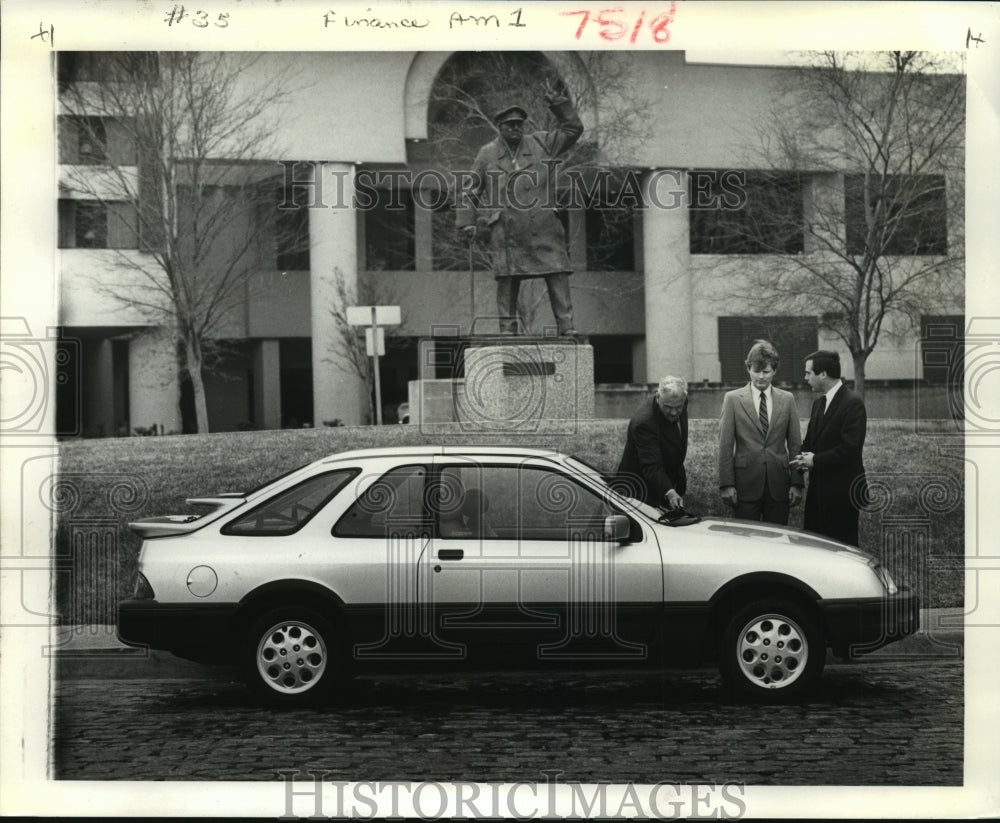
(617, 528)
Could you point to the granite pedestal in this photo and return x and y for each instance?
(538, 385)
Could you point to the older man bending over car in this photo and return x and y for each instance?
(652, 466)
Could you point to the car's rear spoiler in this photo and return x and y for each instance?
(172, 524)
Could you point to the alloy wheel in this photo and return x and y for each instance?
(292, 657)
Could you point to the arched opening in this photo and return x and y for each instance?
(450, 101)
(470, 87)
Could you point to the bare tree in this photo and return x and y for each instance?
(180, 150)
(877, 240)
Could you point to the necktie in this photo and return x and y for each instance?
(762, 412)
(821, 406)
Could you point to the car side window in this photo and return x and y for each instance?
(392, 505)
(459, 505)
(290, 510)
(517, 503)
(552, 506)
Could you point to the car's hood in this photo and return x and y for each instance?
(765, 533)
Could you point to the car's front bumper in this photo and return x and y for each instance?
(200, 632)
(855, 627)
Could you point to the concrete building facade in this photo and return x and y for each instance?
(662, 300)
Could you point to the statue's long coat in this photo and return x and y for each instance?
(516, 203)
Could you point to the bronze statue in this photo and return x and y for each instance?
(511, 207)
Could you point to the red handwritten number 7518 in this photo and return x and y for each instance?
(613, 27)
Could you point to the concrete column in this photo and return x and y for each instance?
(98, 393)
(338, 393)
(667, 277)
(154, 390)
(267, 384)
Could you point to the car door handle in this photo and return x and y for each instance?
(451, 554)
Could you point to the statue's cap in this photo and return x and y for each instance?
(510, 113)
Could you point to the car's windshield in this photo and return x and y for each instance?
(580, 465)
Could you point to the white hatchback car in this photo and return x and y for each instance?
(494, 558)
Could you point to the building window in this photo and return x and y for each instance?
(610, 239)
(390, 232)
(95, 141)
(448, 251)
(91, 140)
(296, 378)
(397, 368)
(896, 214)
(612, 358)
(91, 229)
(793, 337)
(87, 224)
(745, 212)
(90, 225)
(285, 217)
(105, 66)
(83, 66)
(292, 239)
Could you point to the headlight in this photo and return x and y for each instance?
(886, 579)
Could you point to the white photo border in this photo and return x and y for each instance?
(755, 31)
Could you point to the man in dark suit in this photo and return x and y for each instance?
(832, 452)
(652, 465)
(758, 434)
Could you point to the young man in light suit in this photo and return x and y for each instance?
(758, 435)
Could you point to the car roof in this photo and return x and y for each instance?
(433, 451)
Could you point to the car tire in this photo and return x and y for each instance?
(771, 650)
(293, 656)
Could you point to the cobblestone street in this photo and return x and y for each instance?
(876, 723)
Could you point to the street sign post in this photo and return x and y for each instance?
(376, 318)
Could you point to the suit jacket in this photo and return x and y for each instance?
(838, 487)
(748, 457)
(653, 460)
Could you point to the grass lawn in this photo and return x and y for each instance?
(920, 493)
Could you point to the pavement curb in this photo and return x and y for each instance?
(94, 652)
